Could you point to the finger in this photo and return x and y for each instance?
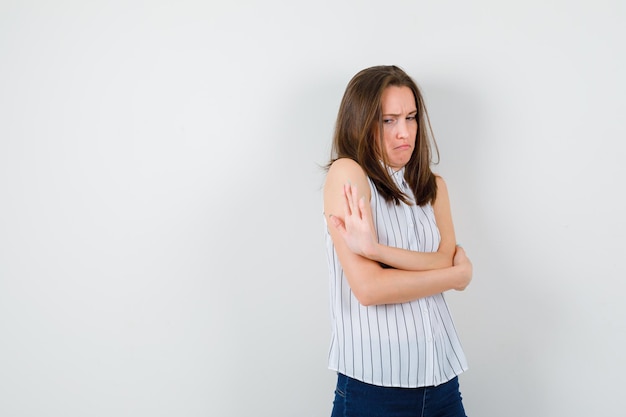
(355, 200)
(366, 209)
(351, 193)
(346, 202)
(337, 222)
(363, 208)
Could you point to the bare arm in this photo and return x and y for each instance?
(357, 230)
(370, 282)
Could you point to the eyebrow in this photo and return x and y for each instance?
(398, 114)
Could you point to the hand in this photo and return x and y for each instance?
(464, 267)
(357, 226)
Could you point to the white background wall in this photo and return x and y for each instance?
(161, 247)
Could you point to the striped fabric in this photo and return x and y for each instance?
(407, 345)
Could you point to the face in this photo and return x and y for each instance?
(399, 125)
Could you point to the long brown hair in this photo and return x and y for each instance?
(355, 137)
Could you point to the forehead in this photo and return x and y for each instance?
(396, 99)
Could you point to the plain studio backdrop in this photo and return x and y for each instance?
(161, 234)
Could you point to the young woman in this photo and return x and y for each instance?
(391, 254)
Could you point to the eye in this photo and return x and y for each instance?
(412, 117)
(388, 121)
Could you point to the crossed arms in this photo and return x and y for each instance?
(413, 274)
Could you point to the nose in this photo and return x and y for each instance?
(403, 129)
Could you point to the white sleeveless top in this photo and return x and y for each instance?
(406, 345)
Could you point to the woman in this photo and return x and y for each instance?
(391, 254)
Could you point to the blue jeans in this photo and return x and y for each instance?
(354, 398)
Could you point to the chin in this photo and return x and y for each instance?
(402, 163)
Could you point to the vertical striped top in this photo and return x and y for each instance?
(408, 345)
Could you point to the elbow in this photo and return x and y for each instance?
(368, 285)
(367, 295)
(366, 300)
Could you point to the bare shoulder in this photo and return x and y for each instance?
(345, 166)
(443, 217)
(343, 171)
(442, 191)
(441, 184)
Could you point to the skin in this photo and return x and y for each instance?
(346, 202)
(399, 125)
